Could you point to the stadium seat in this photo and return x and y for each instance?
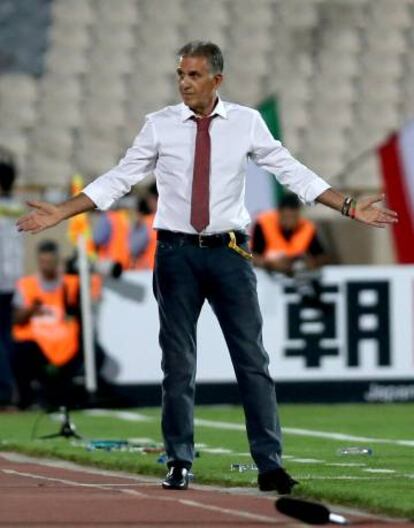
(17, 87)
(76, 12)
(66, 35)
(53, 141)
(60, 113)
(94, 157)
(47, 171)
(60, 60)
(60, 88)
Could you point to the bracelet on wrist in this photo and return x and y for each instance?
(349, 207)
(346, 205)
(352, 209)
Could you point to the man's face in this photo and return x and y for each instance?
(49, 264)
(196, 83)
(289, 218)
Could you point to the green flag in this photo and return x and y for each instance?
(269, 110)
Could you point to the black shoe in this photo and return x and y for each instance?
(177, 478)
(277, 480)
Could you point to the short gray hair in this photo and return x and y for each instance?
(209, 50)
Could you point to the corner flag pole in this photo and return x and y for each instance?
(87, 319)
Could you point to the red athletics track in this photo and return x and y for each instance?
(49, 494)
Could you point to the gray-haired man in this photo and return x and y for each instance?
(198, 151)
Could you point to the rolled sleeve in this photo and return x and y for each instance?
(138, 162)
(272, 156)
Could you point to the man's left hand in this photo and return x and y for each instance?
(368, 213)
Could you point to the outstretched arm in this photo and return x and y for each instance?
(139, 161)
(45, 215)
(272, 156)
(364, 209)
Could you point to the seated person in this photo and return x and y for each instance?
(283, 241)
(46, 330)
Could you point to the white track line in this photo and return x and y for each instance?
(231, 426)
(237, 513)
(147, 481)
(191, 503)
(52, 479)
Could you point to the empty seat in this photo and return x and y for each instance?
(60, 88)
(16, 141)
(77, 12)
(113, 62)
(17, 87)
(94, 157)
(52, 141)
(66, 61)
(298, 13)
(116, 39)
(59, 113)
(21, 115)
(103, 113)
(67, 35)
(122, 13)
(48, 171)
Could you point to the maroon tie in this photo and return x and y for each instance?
(200, 195)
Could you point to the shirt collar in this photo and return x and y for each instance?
(219, 109)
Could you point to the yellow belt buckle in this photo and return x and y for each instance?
(233, 245)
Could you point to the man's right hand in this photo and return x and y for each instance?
(43, 216)
(47, 215)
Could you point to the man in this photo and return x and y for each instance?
(283, 239)
(46, 330)
(198, 152)
(11, 268)
(143, 237)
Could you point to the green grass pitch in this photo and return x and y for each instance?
(382, 482)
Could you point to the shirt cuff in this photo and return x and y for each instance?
(314, 189)
(98, 196)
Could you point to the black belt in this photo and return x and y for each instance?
(204, 241)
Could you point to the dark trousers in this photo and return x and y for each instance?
(184, 277)
(6, 377)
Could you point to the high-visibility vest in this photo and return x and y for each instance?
(275, 241)
(147, 257)
(117, 248)
(55, 333)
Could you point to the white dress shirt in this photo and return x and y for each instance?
(165, 146)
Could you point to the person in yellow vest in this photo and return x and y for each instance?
(143, 238)
(282, 238)
(46, 329)
(111, 236)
